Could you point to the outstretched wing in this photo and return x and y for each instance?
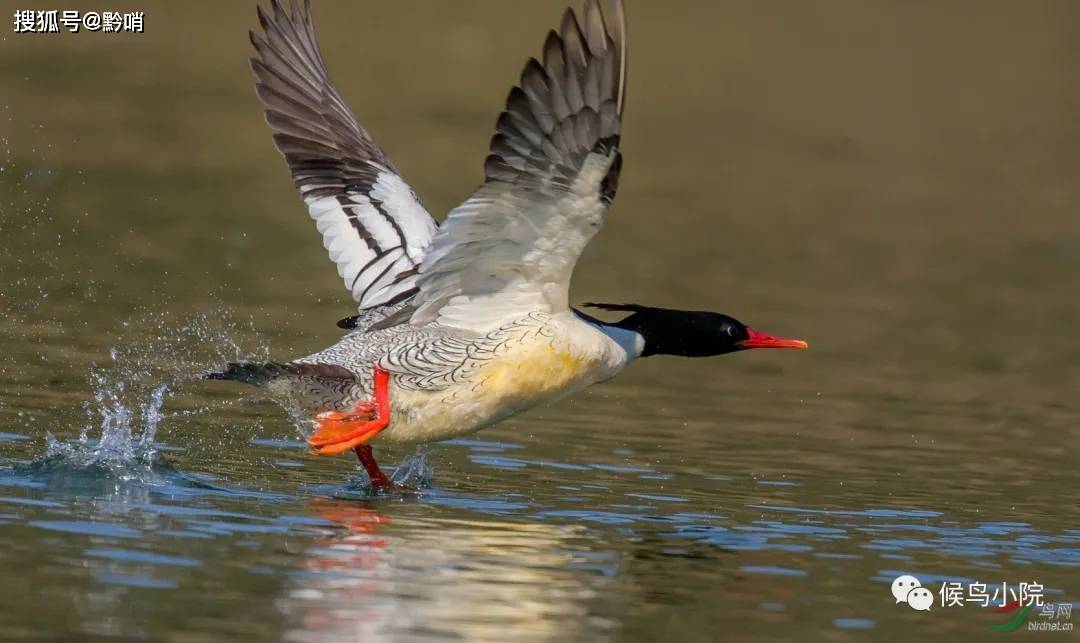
(552, 171)
(371, 221)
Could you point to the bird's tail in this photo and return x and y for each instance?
(249, 372)
(263, 374)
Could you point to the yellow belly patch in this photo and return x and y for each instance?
(514, 381)
(539, 372)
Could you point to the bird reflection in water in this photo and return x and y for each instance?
(415, 578)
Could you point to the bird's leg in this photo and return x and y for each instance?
(337, 432)
(379, 480)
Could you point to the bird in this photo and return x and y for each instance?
(463, 324)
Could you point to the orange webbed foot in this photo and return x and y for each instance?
(363, 411)
(337, 432)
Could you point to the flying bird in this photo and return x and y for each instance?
(464, 324)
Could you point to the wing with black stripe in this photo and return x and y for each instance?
(372, 223)
(510, 249)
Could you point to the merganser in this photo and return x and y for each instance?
(464, 324)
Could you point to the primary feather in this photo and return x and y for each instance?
(373, 226)
(550, 176)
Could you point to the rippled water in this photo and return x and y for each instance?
(909, 210)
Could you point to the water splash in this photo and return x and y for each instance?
(414, 471)
(117, 440)
(412, 475)
(120, 461)
(124, 446)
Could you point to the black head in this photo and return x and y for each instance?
(692, 333)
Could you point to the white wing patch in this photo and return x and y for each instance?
(374, 239)
(505, 253)
(403, 207)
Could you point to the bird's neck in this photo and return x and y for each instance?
(629, 340)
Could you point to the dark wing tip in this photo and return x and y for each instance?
(566, 101)
(292, 80)
(533, 69)
(278, 9)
